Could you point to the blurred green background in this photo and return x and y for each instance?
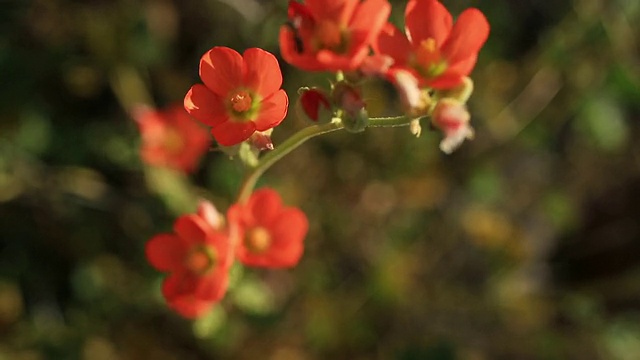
(523, 244)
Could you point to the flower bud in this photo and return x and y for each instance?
(356, 121)
(261, 140)
(208, 212)
(313, 104)
(451, 116)
(354, 115)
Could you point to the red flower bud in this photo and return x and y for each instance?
(261, 140)
(311, 100)
(354, 113)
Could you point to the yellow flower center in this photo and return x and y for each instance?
(172, 141)
(241, 101)
(258, 240)
(201, 259)
(428, 59)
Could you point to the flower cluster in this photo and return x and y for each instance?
(199, 254)
(241, 100)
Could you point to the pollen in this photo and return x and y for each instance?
(427, 53)
(241, 101)
(258, 240)
(429, 45)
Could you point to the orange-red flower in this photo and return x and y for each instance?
(270, 234)
(437, 51)
(197, 257)
(331, 35)
(241, 94)
(171, 138)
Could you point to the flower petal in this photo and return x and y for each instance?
(336, 10)
(289, 47)
(464, 67)
(221, 241)
(231, 133)
(221, 70)
(323, 60)
(288, 232)
(191, 229)
(262, 72)
(205, 106)
(165, 252)
(467, 36)
(190, 306)
(394, 43)
(329, 61)
(263, 206)
(272, 111)
(426, 19)
(178, 284)
(213, 286)
(181, 293)
(370, 17)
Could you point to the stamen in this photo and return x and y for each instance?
(241, 101)
(201, 259)
(429, 60)
(429, 45)
(258, 240)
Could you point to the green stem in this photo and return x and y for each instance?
(389, 121)
(297, 139)
(279, 152)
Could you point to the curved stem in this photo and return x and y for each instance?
(279, 152)
(300, 137)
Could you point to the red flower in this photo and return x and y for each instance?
(331, 35)
(270, 235)
(438, 52)
(241, 94)
(197, 258)
(171, 138)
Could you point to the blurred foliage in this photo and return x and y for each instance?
(524, 244)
